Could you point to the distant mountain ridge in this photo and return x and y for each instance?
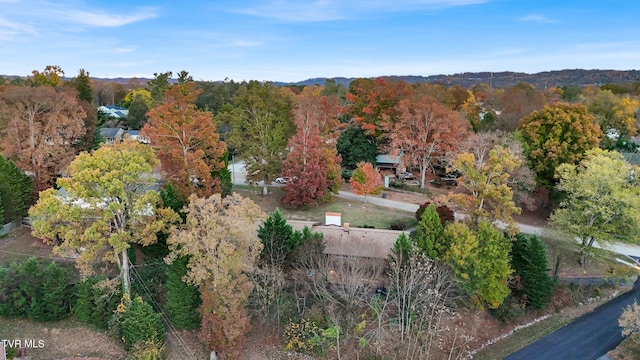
(541, 80)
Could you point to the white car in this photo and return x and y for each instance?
(281, 180)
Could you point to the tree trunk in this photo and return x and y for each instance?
(213, 355)
(265, 191)
(124, 272)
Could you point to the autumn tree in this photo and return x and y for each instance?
(52, 75)
(311, 154)
(108, 204)
(188, 146)
(489, 196)
(521, 178)
(221, 241)
(373, 104)
(262, 124)
(602, 201)
(613, 112)
(517, 102)
(558, 134)
(424, 132)
(43, 125)
(480, 261)
(355, 146)
(366, 180)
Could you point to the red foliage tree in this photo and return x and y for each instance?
(425, 130)
(366, 180)
(188, 146)
(312, 165)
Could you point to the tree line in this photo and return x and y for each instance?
(505, 146)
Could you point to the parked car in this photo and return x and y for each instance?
(406, 176)
(281, 180)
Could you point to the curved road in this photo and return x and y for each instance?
(589, 337)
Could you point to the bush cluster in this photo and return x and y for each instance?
(35, 290)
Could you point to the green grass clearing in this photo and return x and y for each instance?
(356, 213)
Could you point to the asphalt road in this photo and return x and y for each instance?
(587, 338)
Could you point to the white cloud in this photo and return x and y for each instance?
(100, 18)
(330, 10)
(536, 18)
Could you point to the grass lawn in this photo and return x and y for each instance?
(356, 213)
(59, 340)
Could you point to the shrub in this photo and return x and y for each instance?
(509, 310)
(97, 298)
(302, 336)
(444, 212)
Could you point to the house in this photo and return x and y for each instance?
(116, 135)
(350, 241)
(389, 162)
(135, 135)
(114, 111)
(112, 136)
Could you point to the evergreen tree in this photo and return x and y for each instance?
(277, 237)
(429, 232)
(224, 175)
(105, 301)
(183, 299)
(83, 308)
(355, 146)
(15, 191)
(137, 322)
(53, 299)
(529, 261)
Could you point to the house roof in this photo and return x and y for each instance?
(299, 225)
(109, 132)
(388, 159)
(370, 243)
(132, 132)
(632, 158)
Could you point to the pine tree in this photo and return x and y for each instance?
(529, 261)
(277, 237)
(52, 303)
(429, 232)
(84, 300)
(15, 191)
(138, 322)
(183, 299)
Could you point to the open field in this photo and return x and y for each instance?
(61, 340)
(356, 213)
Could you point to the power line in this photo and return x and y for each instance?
(171, 328)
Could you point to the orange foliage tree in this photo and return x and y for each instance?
(43, 125)
(425, 130)
(188, 146)
(366, 180)
(373, 104)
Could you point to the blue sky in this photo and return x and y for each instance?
(293, 40)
